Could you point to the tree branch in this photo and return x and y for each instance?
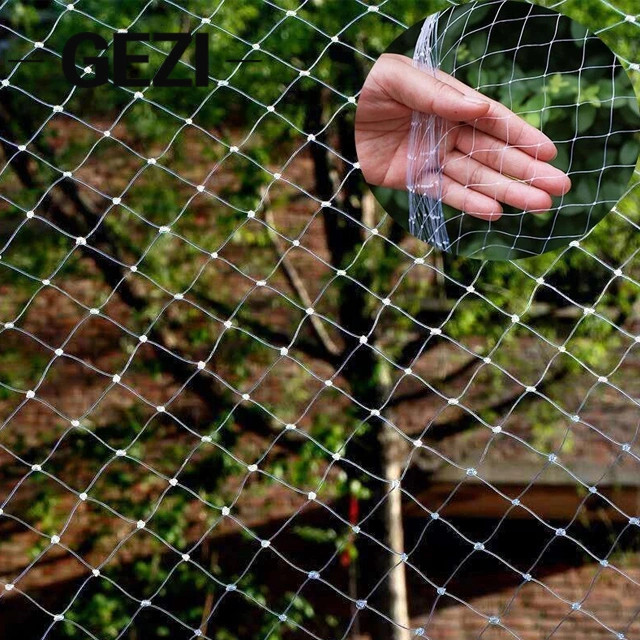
(439, 432)
(423, 392)
(276, 338)
(67, 210)
(332, 351)
(435, 311)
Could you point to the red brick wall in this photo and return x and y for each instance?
(536, 613)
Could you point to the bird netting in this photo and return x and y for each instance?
(555, 75)
(237, 400)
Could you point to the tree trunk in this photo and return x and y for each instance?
(381, 572)
(386, 526)
(378, 450)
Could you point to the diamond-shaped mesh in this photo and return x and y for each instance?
(238, 401)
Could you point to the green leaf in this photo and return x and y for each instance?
(315, 534)
(586, 117)
(629, 152)
(578, 33)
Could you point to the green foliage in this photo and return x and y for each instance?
(174, 261)
(316, 534)
(103, 611)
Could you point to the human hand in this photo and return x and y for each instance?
(489, 154)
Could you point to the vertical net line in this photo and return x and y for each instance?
(424, 171)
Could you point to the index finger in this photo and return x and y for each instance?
(503, 124)
(421, 91)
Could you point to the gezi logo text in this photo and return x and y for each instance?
(123, 59)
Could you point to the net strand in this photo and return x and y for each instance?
(417, 265)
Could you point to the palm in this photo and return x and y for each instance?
(489, 154)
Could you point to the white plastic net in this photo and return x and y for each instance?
(553, 74)
(424, 172)
(236, 401)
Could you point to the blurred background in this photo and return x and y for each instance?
(237, 400)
